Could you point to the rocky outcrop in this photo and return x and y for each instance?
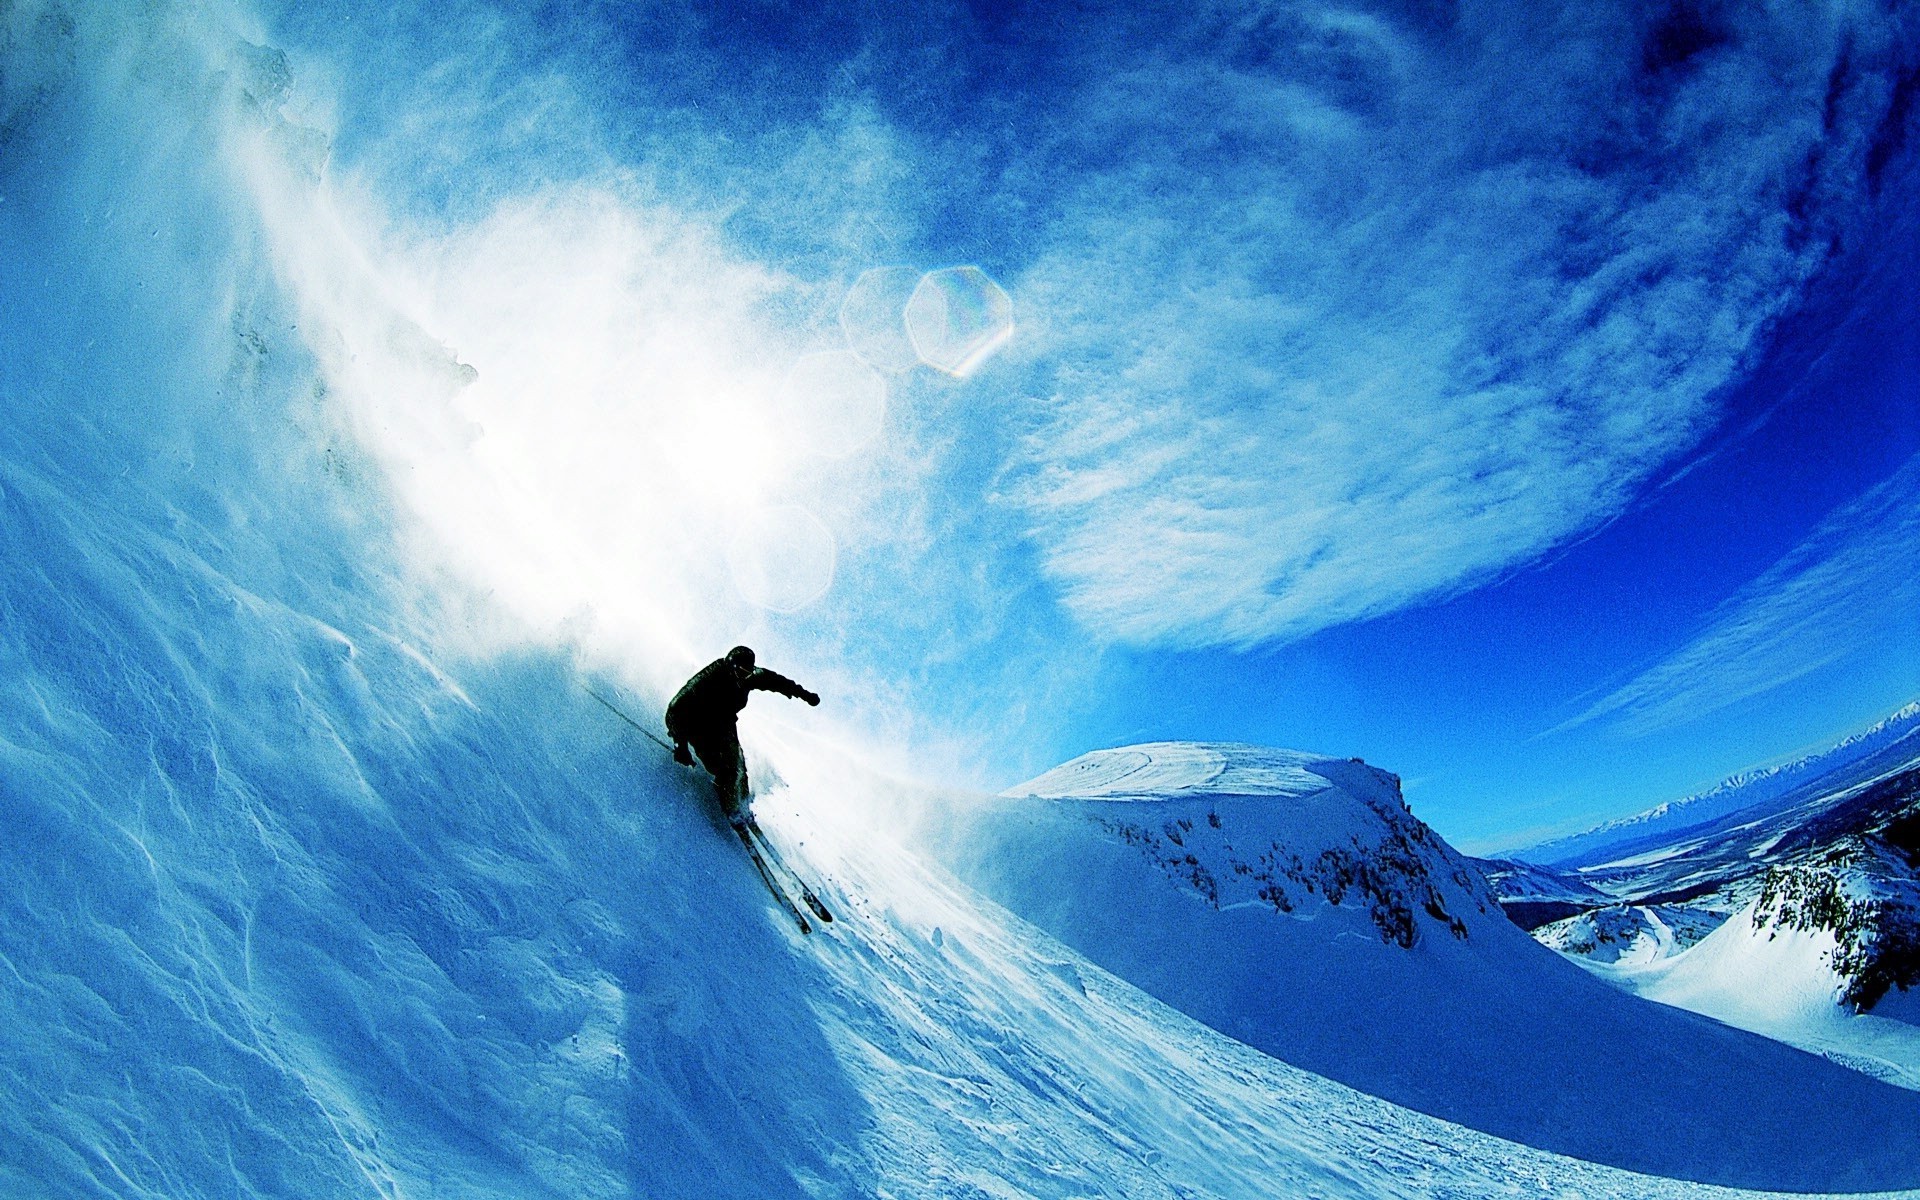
(1390, 865)
(1619, 932)
(1867, 899)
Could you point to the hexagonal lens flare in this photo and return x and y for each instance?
(831, 403)
(957, 317)
(873, 316)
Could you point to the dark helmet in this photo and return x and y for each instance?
(740, 658)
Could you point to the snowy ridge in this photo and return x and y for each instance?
(1816, 909)
(1864, 895)
(1627, 933)
(1162, 770)
(1894, 726)
(1779, 978)
(1214, 829)
(1846, 862)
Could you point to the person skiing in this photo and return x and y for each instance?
(704, 714)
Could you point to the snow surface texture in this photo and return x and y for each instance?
(1209, 876)
(292, 913)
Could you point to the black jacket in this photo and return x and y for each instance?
(710, 702)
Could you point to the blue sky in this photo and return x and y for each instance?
(1518, 396)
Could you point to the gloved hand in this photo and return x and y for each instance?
(812, 698)
(682, 755)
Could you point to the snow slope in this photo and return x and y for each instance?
(1786, 966)
(1781, 983)
(1208, 875)
(1818, 909)
(298, 907)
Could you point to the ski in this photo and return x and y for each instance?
(766, 877)
(616, 710)
(813, 902)
(806, 893)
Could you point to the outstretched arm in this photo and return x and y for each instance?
(772, 681)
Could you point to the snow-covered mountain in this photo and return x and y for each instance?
(1780, 980)
(1823, 957)
(1873, 751)
(1843, 860)
(1627, 933)
(1812, 901)
(1293, 902)
(300, 904)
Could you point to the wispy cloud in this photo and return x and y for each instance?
(1839, 592)
(1343, 313)
(1321, 313)
(579, 377)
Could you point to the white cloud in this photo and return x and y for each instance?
(1834, 596)
(583, 393)
(1330, 314)
(1343, 316)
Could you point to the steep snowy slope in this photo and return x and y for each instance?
(1765, 971)
(295, 912)
(1293, 902)
(1826, 956)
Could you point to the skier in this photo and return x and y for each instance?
(703, 715)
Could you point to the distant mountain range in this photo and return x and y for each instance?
(1860, 756)
(1785, 901)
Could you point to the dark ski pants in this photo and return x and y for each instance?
(723, 759)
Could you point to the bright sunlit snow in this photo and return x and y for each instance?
(1777, 982)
